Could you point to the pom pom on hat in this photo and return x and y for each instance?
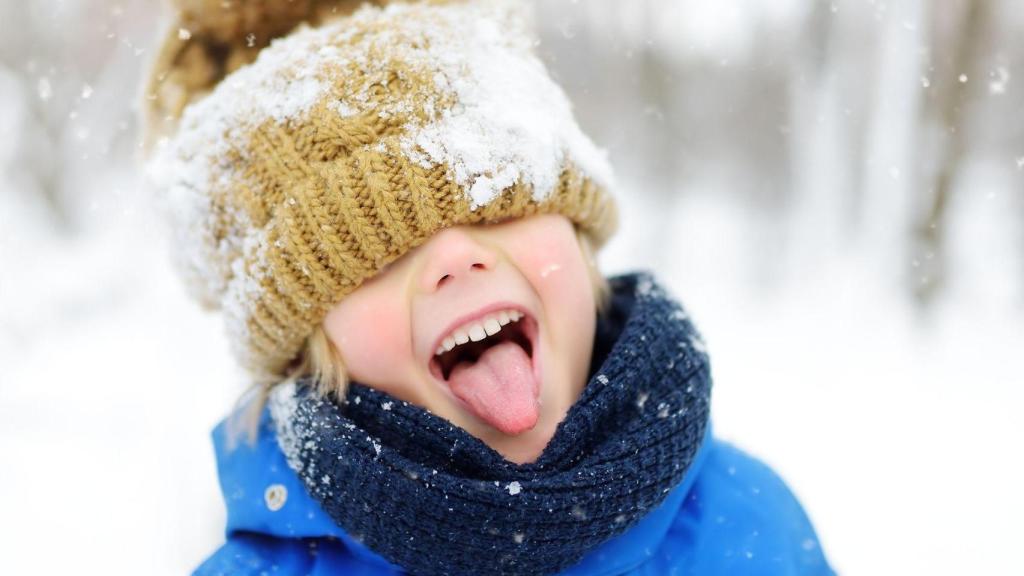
(209, 39)
(292, 179)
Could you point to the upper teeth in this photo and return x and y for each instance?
(478, 330)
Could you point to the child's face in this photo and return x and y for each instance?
(510, 388)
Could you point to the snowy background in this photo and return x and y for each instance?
(834, 189)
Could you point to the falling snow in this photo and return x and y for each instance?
(1000, 78)
(698, 344)
(641, 399)
(751, 336)
(44, 89)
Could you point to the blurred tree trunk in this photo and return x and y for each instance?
(956, 71)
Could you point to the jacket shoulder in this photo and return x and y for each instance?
(273, 525)
(742, 518)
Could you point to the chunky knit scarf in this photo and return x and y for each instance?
(433, 499)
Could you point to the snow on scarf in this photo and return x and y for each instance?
(431, 498)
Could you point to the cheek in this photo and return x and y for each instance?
(372, 335)
(552, 262)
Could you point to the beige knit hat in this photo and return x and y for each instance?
(290, 180)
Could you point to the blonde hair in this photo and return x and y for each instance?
(320, 360)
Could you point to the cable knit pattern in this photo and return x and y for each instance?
(435, 500)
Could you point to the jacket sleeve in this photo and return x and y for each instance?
(246, 554)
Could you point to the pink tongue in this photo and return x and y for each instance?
(499, 388)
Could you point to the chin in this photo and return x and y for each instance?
(526, 447)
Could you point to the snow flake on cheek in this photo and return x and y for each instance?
(549, 269)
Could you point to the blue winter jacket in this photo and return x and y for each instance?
(730, 515)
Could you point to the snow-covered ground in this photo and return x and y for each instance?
(898, 428)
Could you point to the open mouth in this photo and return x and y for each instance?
(490, 366)
(521, 331)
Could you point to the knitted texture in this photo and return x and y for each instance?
(343, 146)
(433, 499)
(208, 39)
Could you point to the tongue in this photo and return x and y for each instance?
(499, 387)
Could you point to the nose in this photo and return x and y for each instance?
(451, 255)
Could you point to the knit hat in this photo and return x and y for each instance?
(290, 180)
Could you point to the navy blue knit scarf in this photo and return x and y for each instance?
(431, 498)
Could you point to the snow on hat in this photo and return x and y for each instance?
(345, 144)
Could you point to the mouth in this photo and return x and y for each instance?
(467, 343)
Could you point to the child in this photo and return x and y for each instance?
(397, 213)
